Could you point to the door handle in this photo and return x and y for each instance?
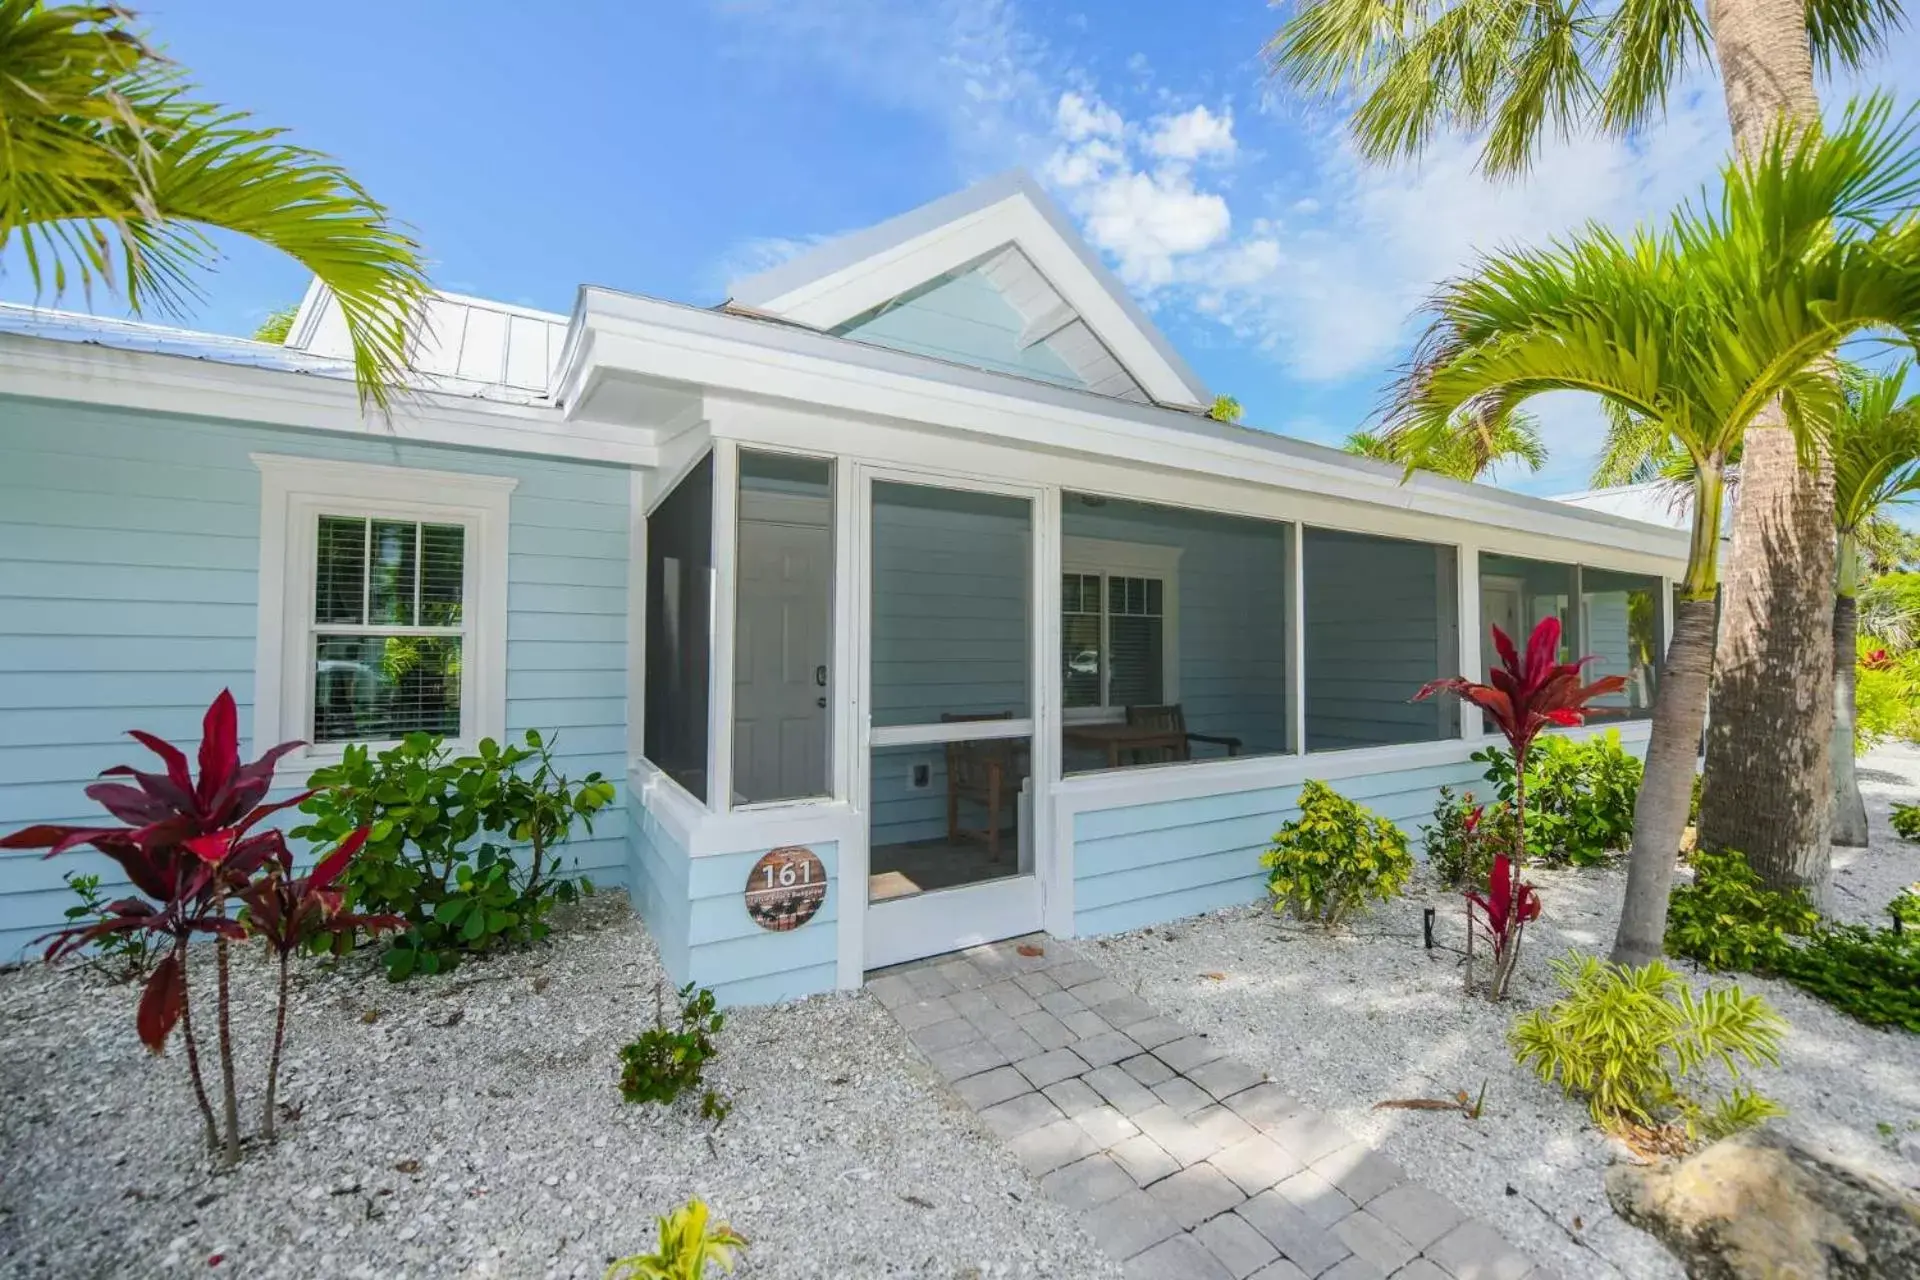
(820, 677)
(819, 702)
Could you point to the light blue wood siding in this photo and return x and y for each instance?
(964, 319)
(129, 554)
(695, 909)
(1381, 620)
(1145, 864)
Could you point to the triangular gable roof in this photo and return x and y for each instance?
(859, 274)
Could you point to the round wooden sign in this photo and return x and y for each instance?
(785, 888)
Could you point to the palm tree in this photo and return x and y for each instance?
(112, 172)
(1463, 455)
(1876, 462)
(1695, 328)
(1519, 73)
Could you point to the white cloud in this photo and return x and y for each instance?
(1192, 135)
(1078, 119)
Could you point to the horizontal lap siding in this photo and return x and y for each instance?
(743, 963)
(1146, 864)
(965, 320)
(129, 558)
(657, 883)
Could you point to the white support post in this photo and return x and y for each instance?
(1053, 857)
(726, 528)
(1467, 571)
(853, 495)
(1297, 640)
(636, 616)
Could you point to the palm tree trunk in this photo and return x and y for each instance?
(1666, 793)
(1768, 772)
(1849, 809)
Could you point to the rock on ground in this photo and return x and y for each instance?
(471, 1126)
(1758, 1206)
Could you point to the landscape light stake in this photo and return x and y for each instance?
(1426, 926)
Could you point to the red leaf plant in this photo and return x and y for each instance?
(1522, 696)
(189, 845)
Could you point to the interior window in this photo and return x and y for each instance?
(1113, 640)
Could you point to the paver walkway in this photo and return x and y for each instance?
(1185, 1164)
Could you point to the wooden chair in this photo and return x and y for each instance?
(1171, 718)
(989, 773)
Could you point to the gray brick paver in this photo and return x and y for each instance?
(962, 973)
(990, 1088)
(965, 1060)
(1313, 1195)
(1085, 1023)
(1060, 1003)
(1155, 1032)
(1022, 1114)
(892, 990)
(1108, 1127)
(1122, 1090)
(1309, 1135)
(1312, 1248)
(1375, 1241)
(1050, 1146)
(1072, 973)
(1196, 1194)
(1420, 1216)
(1421, 1269)
(1145, 1160)
(1182, 1256)
(1353, 1267)
(1037, 983)
(1255, 1163)
(1012, 999)
(1183, 1095)
(1360, 1172)
(1050, 1067)
(1128, 1223)
(1180, 1137)
(1224, 1077)
(924, 1013)
(1240, 1249)
(992, 1021)
(1187, 1053)
(1087, 1184)
(1098, 991)
(1105, 1048)
(1016, 1044)
(1073, 1096)
(1263, 1105)
(1047, 1031)
(1126, 1009)
(1280, 1269)
(1147, 1069)
(950, 1034)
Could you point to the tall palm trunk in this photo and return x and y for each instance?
(1768, 768)
(1849, 809)
(1673, 746)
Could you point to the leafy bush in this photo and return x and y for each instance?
(666, 1062)
(1906, 821)
(1886, 693)
(1905, 909)
(1727, 919)
(1580, 796)
(122, 956)
(1633, 1043)
(1464, 836)
(1334, 857)
(687, 1244)
(442, 832)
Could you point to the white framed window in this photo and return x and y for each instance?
(383, 605)
(1119, 627)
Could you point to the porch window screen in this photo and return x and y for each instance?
(1382, 619)
(388, 628)
(1113, 640)
(1620, 625)
(680, 629)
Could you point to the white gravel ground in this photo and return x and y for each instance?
(473, 1127)
(1348, 1022)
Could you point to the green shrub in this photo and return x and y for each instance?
(122, 956)
(1334, 857)
(1886, 693)
(1460, 845)
(1906, 821)
(1580, 796)
(1905, 909)
(666, 1062)
(1633, 1044)
(1727, 919)
(462, 848)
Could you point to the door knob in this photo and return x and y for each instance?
(820, 677)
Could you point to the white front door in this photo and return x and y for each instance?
(780, 679)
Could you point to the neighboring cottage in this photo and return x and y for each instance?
(917, 560)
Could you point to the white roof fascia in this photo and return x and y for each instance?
(854, 274)
(741, 355)
(83, 373)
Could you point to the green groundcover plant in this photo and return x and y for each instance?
(1728, 920)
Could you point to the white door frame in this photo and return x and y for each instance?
(969, 914)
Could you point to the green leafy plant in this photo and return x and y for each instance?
(122, 956)
(1905, 909)
(1906, 821)
(668, 1061)
(1580, 797)
(1334, 857)
(1727, 919)
(463, 848)
(1463, 837)
(689, 1241)
(1635, 1042)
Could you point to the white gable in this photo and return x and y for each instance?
(1016, 241)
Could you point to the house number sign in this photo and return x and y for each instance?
(785, 888)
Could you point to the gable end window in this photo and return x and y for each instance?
(382, 605)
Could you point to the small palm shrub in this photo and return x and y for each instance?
(1906, 821)
(689, 1241)
(1335, 856)
(1634, 1044)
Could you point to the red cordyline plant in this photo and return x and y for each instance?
(189, 845)
(1522, 696)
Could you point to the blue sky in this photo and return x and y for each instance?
(666, 146)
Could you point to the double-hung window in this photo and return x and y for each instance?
(382, 604)
(1118, 627)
